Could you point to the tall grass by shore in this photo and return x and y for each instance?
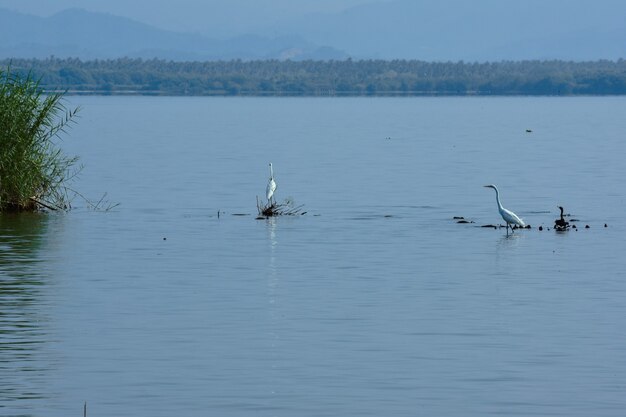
(34, 172)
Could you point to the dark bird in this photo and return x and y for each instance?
(561, 224)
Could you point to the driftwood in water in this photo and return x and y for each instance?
(272, 208)
(515, 227)
(462, 220)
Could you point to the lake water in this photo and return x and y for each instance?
(376, 302)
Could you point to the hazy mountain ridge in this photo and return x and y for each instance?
(89, 35)
(430, 30)
(489, 30)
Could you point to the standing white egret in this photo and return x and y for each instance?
(271, 185)
(509, 217)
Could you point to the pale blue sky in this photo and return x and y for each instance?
(217, 18)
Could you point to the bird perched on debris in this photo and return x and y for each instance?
(560, 224)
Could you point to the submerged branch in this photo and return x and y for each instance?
(272, 208)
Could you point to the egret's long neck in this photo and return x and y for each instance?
(498, 199)
(271, 171)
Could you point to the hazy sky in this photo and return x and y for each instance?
(218, 18)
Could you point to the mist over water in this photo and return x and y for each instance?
(375, 302)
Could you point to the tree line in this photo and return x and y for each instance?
(324, 78)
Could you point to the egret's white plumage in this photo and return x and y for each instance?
(271, 185)
(509, 217)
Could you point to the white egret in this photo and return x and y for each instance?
(271, 185)
(509, 217)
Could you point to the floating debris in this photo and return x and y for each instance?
(497, 226)
(462, 220)
(586, 226)
(605, 225)
(272, 209)
(540, 228)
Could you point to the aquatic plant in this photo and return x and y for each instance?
(34, 173)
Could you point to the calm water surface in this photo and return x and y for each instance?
(375, 302)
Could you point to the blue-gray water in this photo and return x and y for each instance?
(375, 302)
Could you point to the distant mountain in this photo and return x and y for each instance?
(88, 35)
(484, 30)
(429, 30)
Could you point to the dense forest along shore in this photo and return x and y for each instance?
(325, 78)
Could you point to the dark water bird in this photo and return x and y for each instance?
(509, 217)
(560, 224)
(462, 220)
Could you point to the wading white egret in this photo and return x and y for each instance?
(561, 224)
(509, 217)
(271, 185)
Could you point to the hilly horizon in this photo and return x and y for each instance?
(492, 30)
(90, 35)
(430, 30)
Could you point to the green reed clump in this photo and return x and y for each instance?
(34, 173)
